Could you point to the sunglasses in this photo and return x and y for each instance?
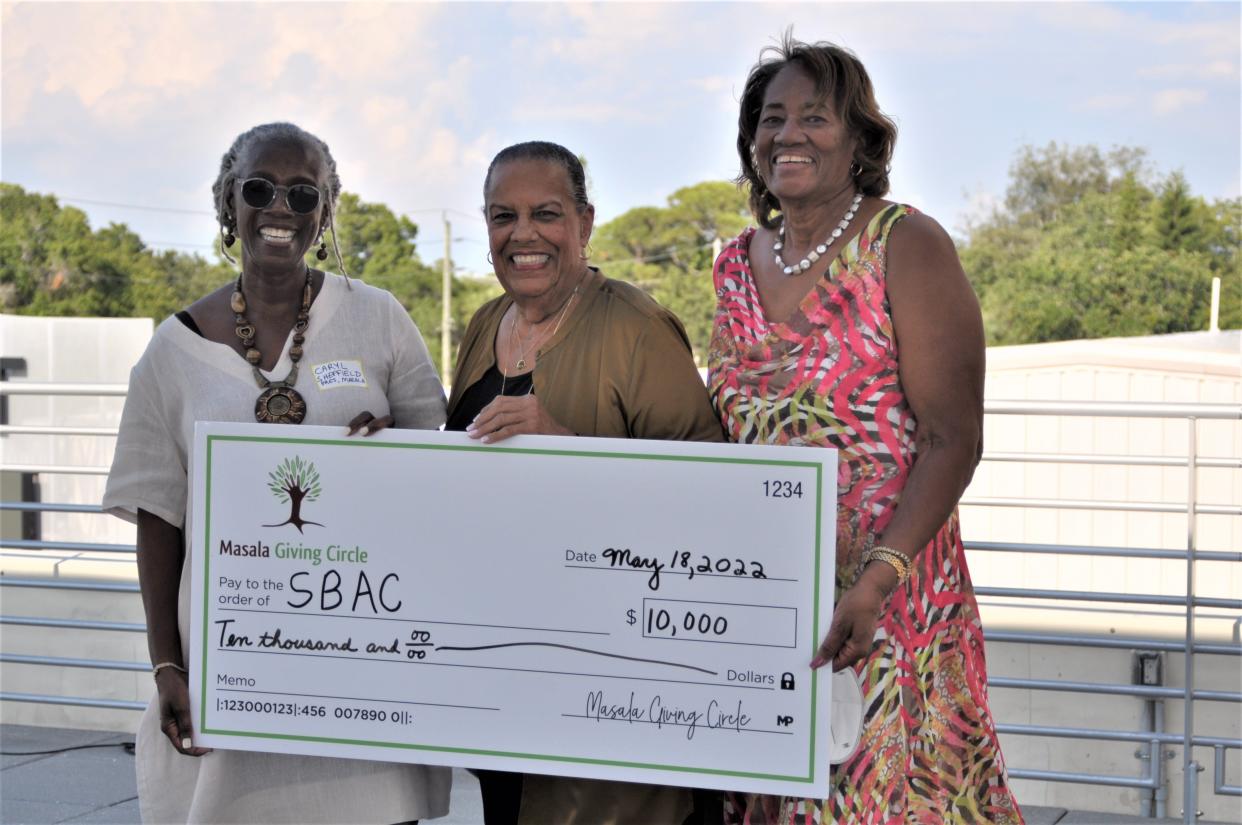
(260, 193)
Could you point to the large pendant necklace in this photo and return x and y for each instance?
(279, 403)
(813, 255)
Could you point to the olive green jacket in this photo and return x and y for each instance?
(619, 367)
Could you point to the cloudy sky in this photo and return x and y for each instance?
(117, 106)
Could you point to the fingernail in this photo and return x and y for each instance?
(470, 428)
(487, 439)
(186, 743)
(818, 662)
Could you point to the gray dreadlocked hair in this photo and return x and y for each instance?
(273, 131)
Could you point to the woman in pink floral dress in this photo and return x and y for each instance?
(846, 321)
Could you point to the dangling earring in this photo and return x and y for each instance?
(322, 254)
(227, 232)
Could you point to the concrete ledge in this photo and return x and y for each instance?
(1095, 818)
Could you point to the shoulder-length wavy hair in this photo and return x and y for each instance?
(840, 77)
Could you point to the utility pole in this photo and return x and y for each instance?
(446, 316)
(1214, 311)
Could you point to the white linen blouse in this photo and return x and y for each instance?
(182, 378)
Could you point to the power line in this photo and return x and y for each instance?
(145, 208)
(187, 245)
(666, 255)
(137, 206)
(442, 210)
(181, 245)
(441, 240)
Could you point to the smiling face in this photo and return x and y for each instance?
(275, 236)
(535, 231)
(803, 150)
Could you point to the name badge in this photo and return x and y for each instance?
(339, 374)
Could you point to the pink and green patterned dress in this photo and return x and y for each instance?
(828, 376)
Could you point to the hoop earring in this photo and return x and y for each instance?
(586, 252)
(855, 169)
(489, 259)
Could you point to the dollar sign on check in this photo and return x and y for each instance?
(630, 617)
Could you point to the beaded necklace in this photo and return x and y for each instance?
(279, 403)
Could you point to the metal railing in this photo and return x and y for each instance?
(1153, 779)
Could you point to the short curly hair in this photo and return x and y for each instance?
(838, 75)
(273, 131)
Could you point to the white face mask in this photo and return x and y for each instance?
(846, 719)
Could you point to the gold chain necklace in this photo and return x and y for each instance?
(520, 364)
(279, 403)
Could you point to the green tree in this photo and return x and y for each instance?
(1222, 240)
(378, 246)
(1088, 246)
(51, 263)
(293, 482)
(1044, 180)
(668, 250)
(44, 252)
(179, 279)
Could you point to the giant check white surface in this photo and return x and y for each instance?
(633, 610)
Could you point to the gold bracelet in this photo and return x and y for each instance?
(896, 559)
(155, 671)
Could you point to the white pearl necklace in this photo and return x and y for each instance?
(813, 255)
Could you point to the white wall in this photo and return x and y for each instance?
(79, 350)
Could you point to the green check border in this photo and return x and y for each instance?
(212, 440)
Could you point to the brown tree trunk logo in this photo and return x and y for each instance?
(295, 481)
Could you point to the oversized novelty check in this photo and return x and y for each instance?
(634, 610)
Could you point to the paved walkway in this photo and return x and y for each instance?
(89, 778)
(52, 775)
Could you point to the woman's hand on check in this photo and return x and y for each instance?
(368, 423)
(174, 692)
(852, 632)
(510, 415)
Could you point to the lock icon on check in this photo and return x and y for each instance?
(787, 681)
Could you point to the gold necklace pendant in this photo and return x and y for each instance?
(520, 364)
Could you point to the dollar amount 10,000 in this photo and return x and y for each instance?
(660, 620)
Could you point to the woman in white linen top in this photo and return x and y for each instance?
(195, 369)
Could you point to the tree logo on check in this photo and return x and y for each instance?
(294, 482)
